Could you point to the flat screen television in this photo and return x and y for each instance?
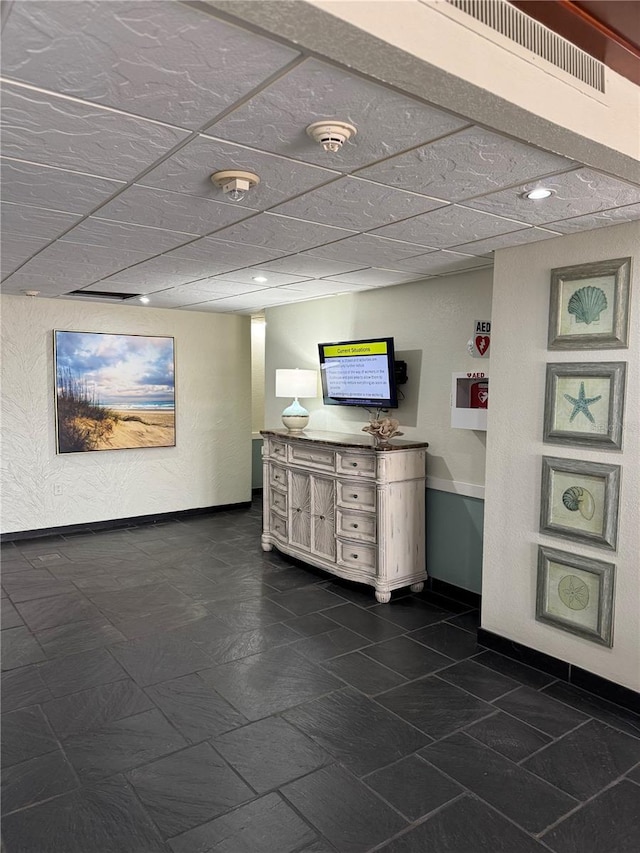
(359, 373)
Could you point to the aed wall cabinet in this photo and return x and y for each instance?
(469, 400)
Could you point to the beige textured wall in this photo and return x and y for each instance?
(211, 462)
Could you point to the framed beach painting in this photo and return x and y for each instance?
(576, 594)
(584, 404)
(579, 501)
(113, 392)
(589, 305)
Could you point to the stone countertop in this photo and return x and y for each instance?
(343, 439)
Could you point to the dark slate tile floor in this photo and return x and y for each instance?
(171, 688)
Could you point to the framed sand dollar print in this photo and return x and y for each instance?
(576, 594)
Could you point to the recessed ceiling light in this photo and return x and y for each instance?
(537, 194)
(144, 299)
(259, 278)
(235, 183)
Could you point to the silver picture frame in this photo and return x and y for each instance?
(576, 594)
(589, 306)
(584, 404)
(579, 501)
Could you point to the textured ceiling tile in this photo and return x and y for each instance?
(374, 277)
(449, 226)
(35, 278)
(172, 211)
(357, 204)
(280, 232)
(80, 263)
(504, 241)
(575, 193)
(273, 279)
(222, 255)
(45, 129)
(16, 249)
(366, 249)
(166, 61)
(276, 119)
(628, 213)
(55, 189)
(309, 266)
(189, 171)
(19, 284)
(139, 238)
(34, 222)
(440, 262)
(163, 271)
(218, 287)
(325, 288)
(468, 163)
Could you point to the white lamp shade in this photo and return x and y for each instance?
(296, 383)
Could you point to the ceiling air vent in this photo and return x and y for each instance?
(103, 294)
(535, 37)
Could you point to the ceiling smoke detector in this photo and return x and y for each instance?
(331, 134)
(234, 183)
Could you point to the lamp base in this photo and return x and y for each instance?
(295, 417)
(295, 423)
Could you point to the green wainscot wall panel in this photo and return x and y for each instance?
(256, 463)
(454, 539)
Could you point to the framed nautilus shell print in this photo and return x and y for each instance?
(579, 501)
(589, 305)
(576, 594)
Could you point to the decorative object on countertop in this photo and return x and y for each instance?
(296, 383)
(382, 430)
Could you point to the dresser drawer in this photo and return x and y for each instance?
(354, 525)
(355, 555)
(277, 476)
(318, 458)
(278, 526)
(278, 501)
(277, 449)
(356, 495)
(356, 464)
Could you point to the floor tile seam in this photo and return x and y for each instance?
(514, 763)
(142, 806)
(57, 625)
(555, 740)
(384, 666)
(424, 675)
(400, 719)
(535, 836)
(54, 737)
(437, 674)
(424, 819)
(593, 714)
(583, 804)
(537, 728)
(523, 665)
(42, 802)
(107, 723)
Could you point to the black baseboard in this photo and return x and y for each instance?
(120, 523)
(257, 491)
(448, 590)
(595, 684)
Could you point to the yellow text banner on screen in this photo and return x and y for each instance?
(375, 348)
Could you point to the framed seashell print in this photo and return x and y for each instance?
(584, 403)
(576, 594)
(589, 305)
(579, 501)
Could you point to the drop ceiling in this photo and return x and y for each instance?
(115, 114)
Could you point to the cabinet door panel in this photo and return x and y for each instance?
(323, 518)
(300, 508)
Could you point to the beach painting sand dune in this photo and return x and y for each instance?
(113, 391)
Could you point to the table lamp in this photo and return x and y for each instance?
(296, 383)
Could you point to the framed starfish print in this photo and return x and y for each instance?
(576, 594)
(589, 305)
(584, 404)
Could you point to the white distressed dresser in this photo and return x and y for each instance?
(339, 503)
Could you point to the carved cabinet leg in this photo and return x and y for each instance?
(266, 546)
(383, 597)
(417, 587)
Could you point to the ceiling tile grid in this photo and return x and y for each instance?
(116, 114)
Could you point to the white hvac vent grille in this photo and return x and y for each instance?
(515, 25)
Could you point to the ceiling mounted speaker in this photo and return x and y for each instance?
(331, 134)
(234, 183)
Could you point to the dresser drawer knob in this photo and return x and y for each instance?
(354, 464)
(298, 509)
(322, 518)
(354, 556)
(354, 496)
(355, 526)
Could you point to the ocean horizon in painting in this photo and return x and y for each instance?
(114, 392)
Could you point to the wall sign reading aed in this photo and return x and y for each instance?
(478, 345)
